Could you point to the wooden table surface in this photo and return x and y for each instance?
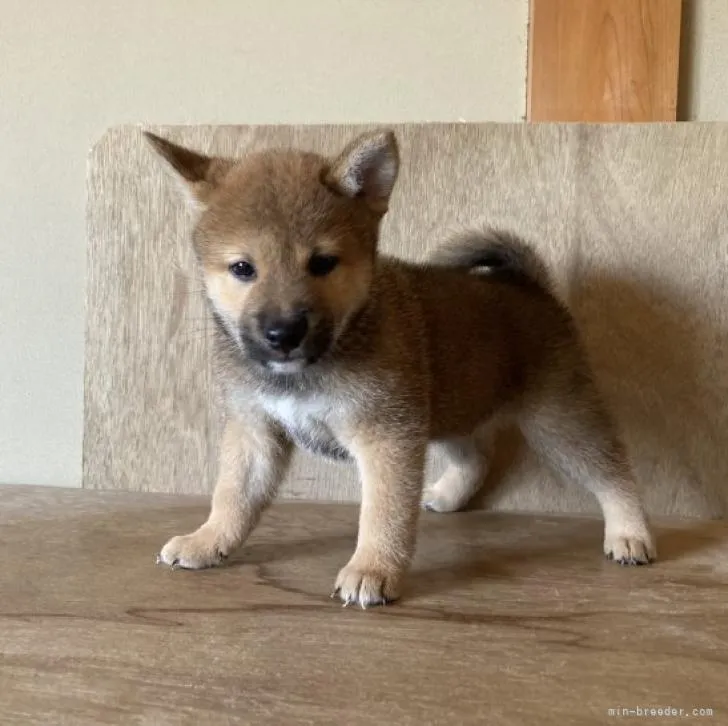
(507, 619)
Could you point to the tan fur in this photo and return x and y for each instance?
(403, 356)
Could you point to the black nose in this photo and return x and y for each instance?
(286, 334)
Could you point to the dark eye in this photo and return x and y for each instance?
(242, 270)
(321, 265)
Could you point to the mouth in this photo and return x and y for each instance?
(287, 367)
(285, 364)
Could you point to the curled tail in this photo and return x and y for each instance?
(495, 254)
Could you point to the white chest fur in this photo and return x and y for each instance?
(295, 412)
(309, 420)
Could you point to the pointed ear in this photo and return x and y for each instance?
(199, 174)
(367, 168)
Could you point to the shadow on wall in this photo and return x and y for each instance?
(658, 357)
(686, 66)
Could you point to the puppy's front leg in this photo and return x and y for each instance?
(391, 469)
(254, 456)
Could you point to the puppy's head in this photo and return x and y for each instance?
(287, 241)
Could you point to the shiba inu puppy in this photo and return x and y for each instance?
(324, 343)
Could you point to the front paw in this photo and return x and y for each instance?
(367, 583)
(193, 551)
(630, 548)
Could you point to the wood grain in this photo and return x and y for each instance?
(603, 60)
(632, 221)
(508, 620)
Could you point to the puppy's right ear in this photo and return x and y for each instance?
(199, 174)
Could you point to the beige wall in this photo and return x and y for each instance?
(70, 69)
(704, 61)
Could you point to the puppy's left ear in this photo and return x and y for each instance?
(199, 174)
(367, 168)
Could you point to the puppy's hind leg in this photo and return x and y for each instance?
(578, 438)
(465, 473)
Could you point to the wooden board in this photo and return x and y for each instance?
(507, 620)
(603, 60)
(632, 221)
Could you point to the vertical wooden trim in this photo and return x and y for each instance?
(603, 60)
(529, 67)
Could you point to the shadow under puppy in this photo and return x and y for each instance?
(324, 343)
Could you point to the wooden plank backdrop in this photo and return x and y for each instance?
(631, 219)
(603, 60)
